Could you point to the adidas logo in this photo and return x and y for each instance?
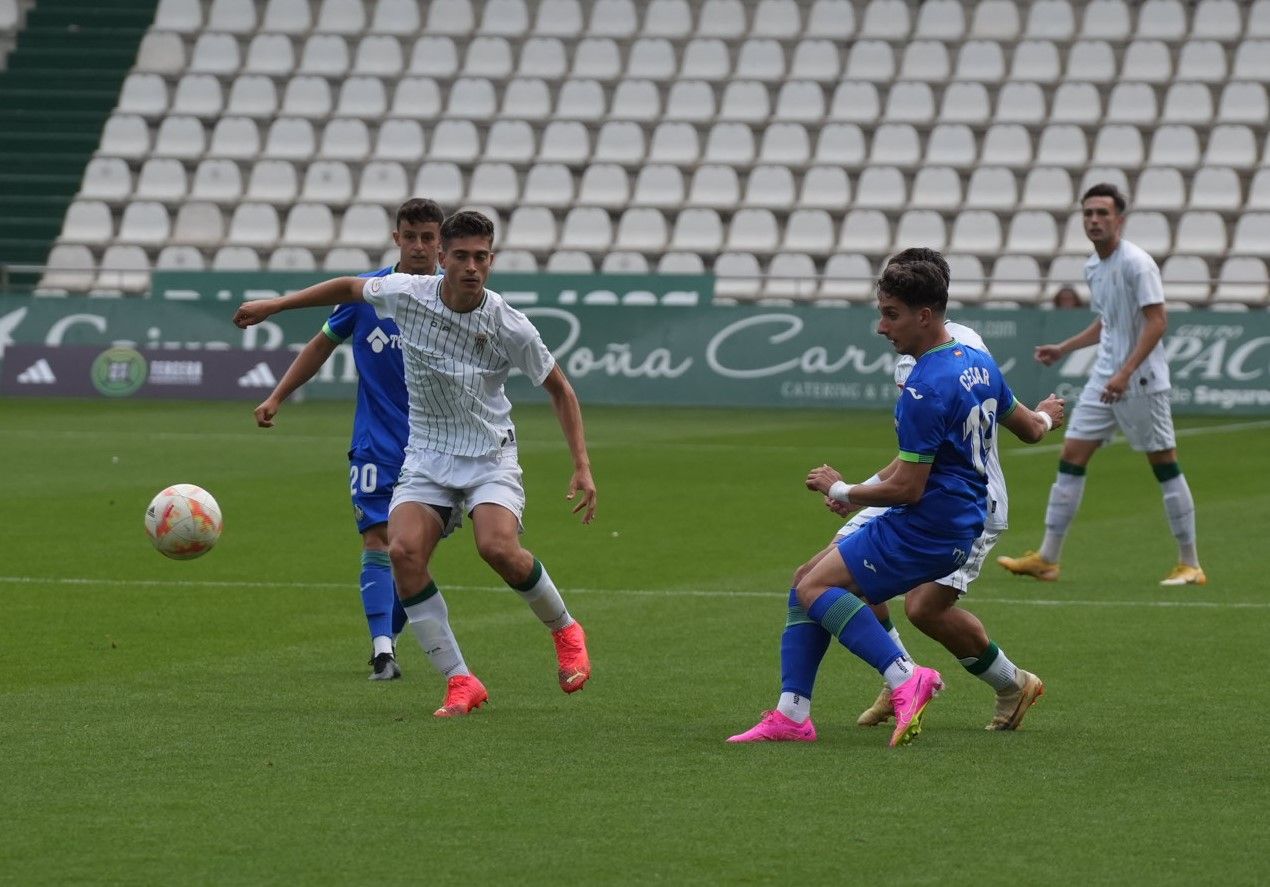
(259, 376)
(38, 373)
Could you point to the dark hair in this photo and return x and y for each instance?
(1106, 189)
(467, 223)
(916, 284)
(923, 254)
(419, 211)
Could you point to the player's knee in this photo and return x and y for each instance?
(807, 594)
(921, 610)
(499, 553)
(404, 554)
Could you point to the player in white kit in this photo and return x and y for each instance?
(460, 342)
(932, 607)
(1127, 389)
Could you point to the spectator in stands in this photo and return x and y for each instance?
(1066, 297)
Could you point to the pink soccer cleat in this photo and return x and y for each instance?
(572, 657)
(463, 694)
(775, 727)
(910, 700)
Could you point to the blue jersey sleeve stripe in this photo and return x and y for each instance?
(331, 334)
(906, 456)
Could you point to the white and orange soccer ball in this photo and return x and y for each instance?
(183, 522)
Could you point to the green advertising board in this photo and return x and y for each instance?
(704, 355)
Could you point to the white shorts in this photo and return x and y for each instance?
(461, 483)
(968, 572)
(1146, 420)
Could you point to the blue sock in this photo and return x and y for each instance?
(379, 597)
(848, 618)
(803, 645)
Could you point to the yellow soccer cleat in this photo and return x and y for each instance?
(1031, 564)
(1184, 574)
(879, 712)
(1013, 702)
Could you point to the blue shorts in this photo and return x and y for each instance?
(887, 557)
(371, 486)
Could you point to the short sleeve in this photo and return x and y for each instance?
(384, 293)
(525, 348)
(1148, 288)
(339, 326)
(920, 423)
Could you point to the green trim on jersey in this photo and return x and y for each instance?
(330, 334)
(951, 343)
(1013, 405)
(906, 456)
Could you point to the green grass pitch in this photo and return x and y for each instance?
(210, 722)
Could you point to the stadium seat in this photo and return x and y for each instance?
(542, 57)
(568, 141)
(981, 61)
(307, 96)
(434, 56)
(635, 100)
(785, 143)
(273, 181)
(1076, 103)
(488, 57)
(472, 98)
(882, 187)
(252, 95)
(790, 275)
(606, 185)
(847, 276)
(651, 58)
(941, 20)
(364, 97)
(235, 137)
(1250, 235)
(1259, 19)
(254, 223)
(1160, 187)
(212, 54)
(1243, 279)
(1047, 188)
(586, 228)
(569, 262)
(1015, 278)
(1147, 61)
(1162, 20)
(816, 60)
(345, 139)
(442, 181)
(705, 59)
(596, 58)
(885, 20)
(753, 230)
(1217, 20)
(921, 227)
(1092, 61)
(898, 144)
(518, 260)
(1230, 145)
(832, 19)
(1187, 103)
(967, 277)
(825, 187)
(910, 103)
(341, 17)
(760, 59)
(770, 186)
(925, 61)
(690, 100)
(1149, 230)
(162, 180)
(511, 141)
(613, 18)
(236, 258)
(548, 184)
(1036, 61)
(297, 258)
(841, 144)
(1202, 60)
(450, 17)
(1216, 187)
(379, 55)
(1016, 103)
(382, 181)
(416, 98)
(855, 101)
(871, 60)
(1174, 145)
(287, 17)
(1200, 232)
(163, 52)
(781, 19)
(865, 231)
(950, 144)
(936, 187)
(290, 139)
(1133, 103)
(715, 186)
(1032, 232)
(992, 187)
(309, 224)
(365, 225)
(558, 18)
(532, 228)
(680, 263)
(1259, 190)
(324, 54)
(1051, 20)
(697, 230)
(674, 143)
(88, 222)
(729, 143)
(1185, 279)
(1118, 145)
(1069, 270)
(809, 231)
(180, 16)
(234, 16)
(106, 178)
(1006, 144)
(1106, 20)
(1243, 103)
(327, 182)
(456, 140)
(967, 103)
(800, 101)
(1252, 60)
(504, 17)
(179, 258)
(198, 224)
(181, 137)
(123, 268)
(722, 18)
(1094, 175)
(641, 229)
(737, 275)
(269, 54)
(976, 232)
(144, 223)
(143, 94)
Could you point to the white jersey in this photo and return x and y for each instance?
(1122, 285)
(457, 364)
(998, 503)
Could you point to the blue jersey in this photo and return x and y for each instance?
(947, 416)
(380, 424)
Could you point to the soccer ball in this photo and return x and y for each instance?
(183, 522)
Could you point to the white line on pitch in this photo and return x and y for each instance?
(1182, 432)
(624, 592)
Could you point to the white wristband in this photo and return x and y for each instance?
(841, 491)
(1049, 423)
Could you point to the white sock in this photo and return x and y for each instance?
(544, 599)
(895, 636)
(794, 706)
(1000, 674)
(382, 644)
(899, 671)
(1179, 508)
(430, 622)
(1064, 500)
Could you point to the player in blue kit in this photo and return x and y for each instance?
(946, 420)
(380, 422)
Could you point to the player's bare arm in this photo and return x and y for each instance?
(904, 485)
(329, 292)
(569, 413)
(1154, 323)
(302, 369)
(1029, 426)
(1052, 354)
